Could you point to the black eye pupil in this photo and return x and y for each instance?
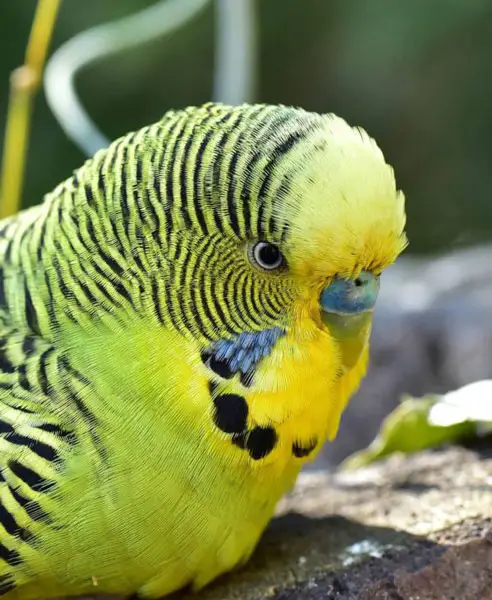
(269, 254)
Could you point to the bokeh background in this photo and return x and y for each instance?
(416, 75)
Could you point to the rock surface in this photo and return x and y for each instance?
(417, 527)
(432, 333)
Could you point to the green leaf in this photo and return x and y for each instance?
(413, 426)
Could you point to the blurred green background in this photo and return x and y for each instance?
(417, 75)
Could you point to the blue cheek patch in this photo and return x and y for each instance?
(242, 354)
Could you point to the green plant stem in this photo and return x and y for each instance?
(24, 83)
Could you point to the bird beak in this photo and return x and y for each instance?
(346, 309)
(351, 331)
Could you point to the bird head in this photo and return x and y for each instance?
(282, 220)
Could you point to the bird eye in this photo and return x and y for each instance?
(267, 256)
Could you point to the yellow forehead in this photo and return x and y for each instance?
(344, 209)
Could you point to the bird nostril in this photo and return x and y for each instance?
(359, 282)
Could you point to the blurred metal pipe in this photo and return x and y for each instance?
(98, 43)
(235, 51)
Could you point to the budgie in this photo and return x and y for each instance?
(183, 321)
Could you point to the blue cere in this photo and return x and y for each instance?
(245, 352)
(351, 295)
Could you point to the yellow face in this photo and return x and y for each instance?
(348, 227)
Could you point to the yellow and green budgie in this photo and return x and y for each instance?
(182, 324)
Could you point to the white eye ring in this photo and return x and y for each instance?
(267, 256)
